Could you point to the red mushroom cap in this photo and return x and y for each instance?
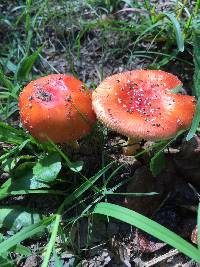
(141, 104)
(57, 106)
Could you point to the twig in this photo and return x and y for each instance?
(169, 254)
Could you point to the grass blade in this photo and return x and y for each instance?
(157, 163)
(109, 192)
(11, 135)
(149, 226)
(195, 122)
(57, 260)
(74, 166)
(196, 78)
(52, 239)
(5, 81)
(87, 184)
(26, 64)
(198, 226)
(177, 29)
(196, 55)
(25, 233)
(68, 200)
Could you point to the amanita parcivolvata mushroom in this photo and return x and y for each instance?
(57, 107)
(141, 104)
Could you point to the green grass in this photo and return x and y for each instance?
(93, 39)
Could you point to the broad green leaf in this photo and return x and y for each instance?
(157, 163)
(26, 64)
(14, 218)
(25, 233)
(177, 29)
(149, 226)
(47, 169)
(23, 178)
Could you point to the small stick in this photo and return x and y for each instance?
(169, 254)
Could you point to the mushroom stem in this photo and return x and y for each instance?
(132, 146)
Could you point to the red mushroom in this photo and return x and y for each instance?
(141, 104)
(57, 107)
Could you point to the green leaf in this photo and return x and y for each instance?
(57, 260)
(198, 225)
(26, 64)
(11, 67)
(68, 200)
(25, 233)
(146, 31)
(149, 226)
(177, 29)
(195, 122)
(10, 163)
(48, 168)
(14, 218)
(196, 57)
(196, 77)
(177, 90)
(11, 135)
(110, 192)
(157, 163)
(5, 193)
(5, 81)
(86, 185)
(28, 17)
(4, 189)
(22, 250)
(74, 166)
(5, 262)
(23, 178)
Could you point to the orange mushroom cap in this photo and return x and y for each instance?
(141, 104)
(57, 106)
